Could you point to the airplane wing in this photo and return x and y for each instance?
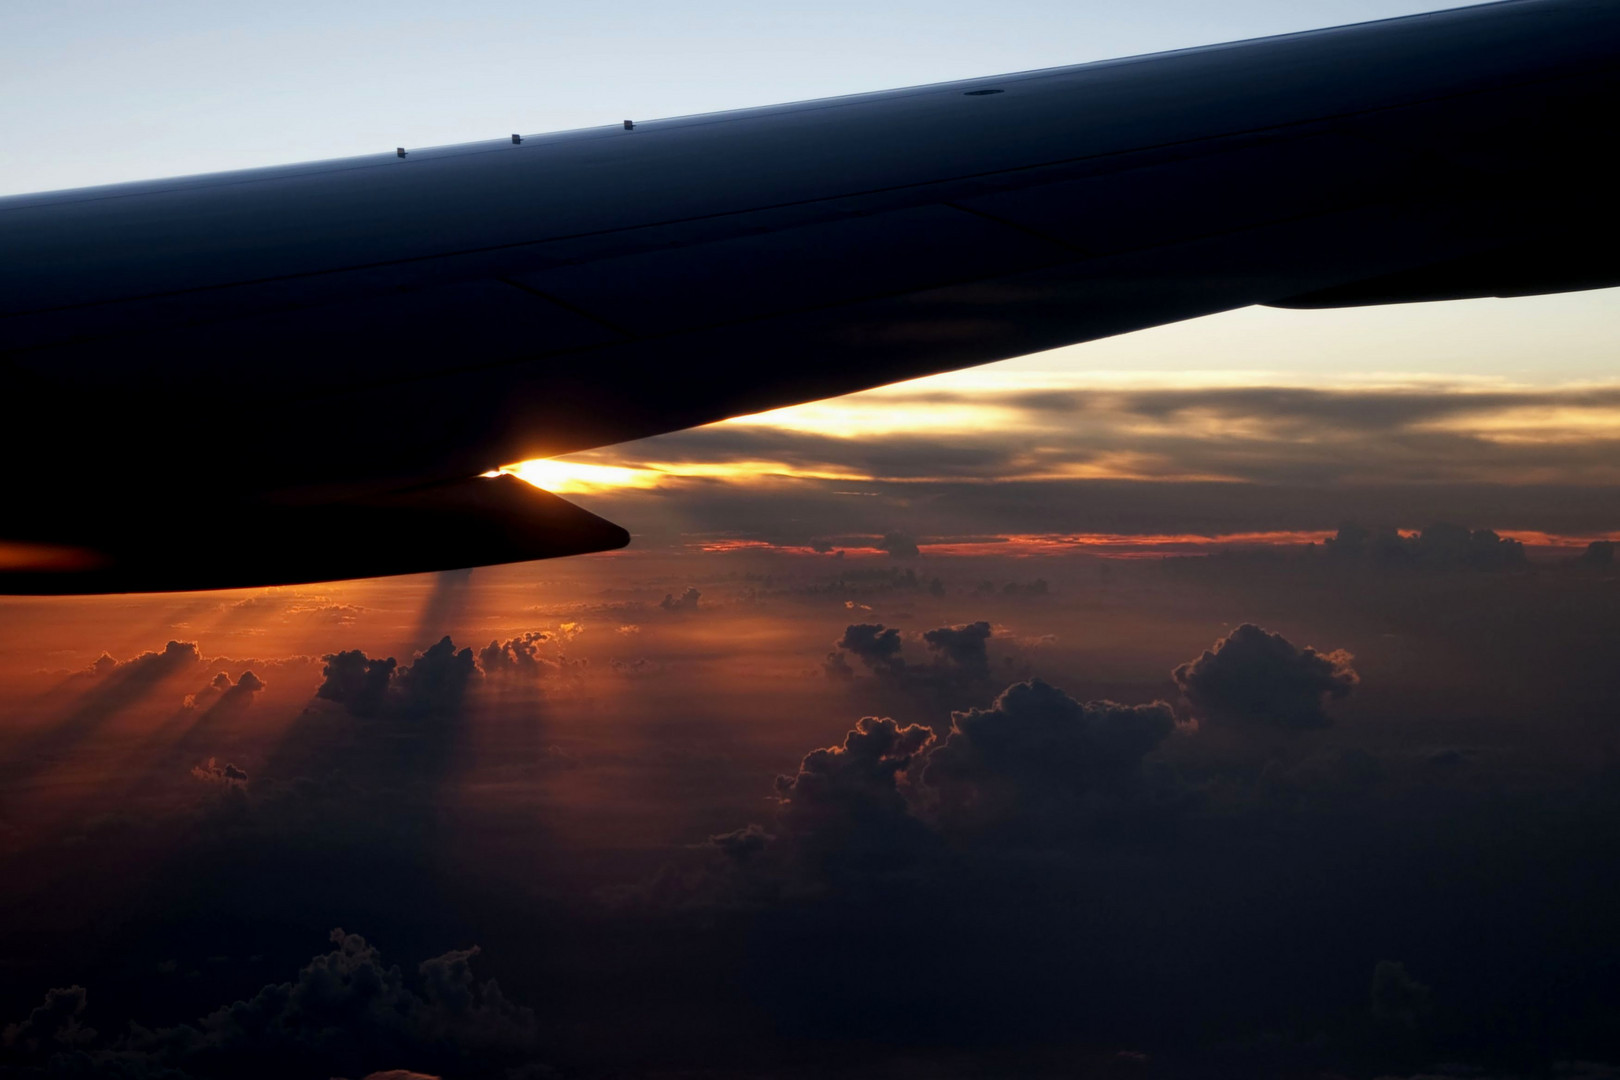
(188, 360)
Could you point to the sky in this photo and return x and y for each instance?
(1237, 698)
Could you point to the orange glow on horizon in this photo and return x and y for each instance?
(1103, 545)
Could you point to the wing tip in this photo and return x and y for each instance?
(467, 523)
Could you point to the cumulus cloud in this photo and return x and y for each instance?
(436, 681)
(1037, 753)
(1255, 677)
(844, 810)
(212, 772)
(742, 844)
(173, 657)
(350, 1011)
(55, 1023)
(1441, 545)
(357, 682)
(963, 647)
(875, 646)
(1598, 553)
(898, 545)
(518, 656)
(223, 697)
(687, 601)
(836, 668)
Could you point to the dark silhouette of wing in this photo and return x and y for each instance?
(281, 340)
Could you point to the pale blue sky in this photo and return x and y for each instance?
(95, 91)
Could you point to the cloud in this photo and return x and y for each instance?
(843, 811)
(221, 697)
(1038, 756)
(1262, 434)
(741, 845)
(212, 772)
(56, 1023)
(1598, 553)
(876, 647)
(687, 601)
(435, 682)
(963, 647)
(1210, 460)
(635, 667)
(899, 545)
(356, 682)
(148, 666)
(1038, 587)
(1255, 677)
(349, 1011)
(836, 668)
(1441, 545)
(518, 656)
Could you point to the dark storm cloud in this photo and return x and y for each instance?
(53, 1025)
(1441, 545)
(873, 645)
(1037, 753)
(357, 682)
(347, 1011)
(1598, 553)
(435, 682)
(843, 811)
(899, 545)
(1037, 765)
(958, 674)
(963, 647)
(437, 679)
(1255, 677)
(843, 819)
